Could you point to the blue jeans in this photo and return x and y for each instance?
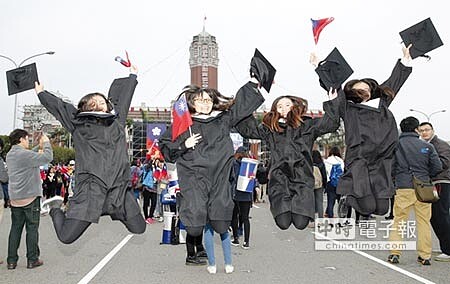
(209, 245)
(332, 196)
(5, 191)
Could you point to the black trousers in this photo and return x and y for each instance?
(440, 217)
(241, 212)
(194, 245)
(150, 199)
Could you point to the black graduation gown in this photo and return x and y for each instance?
(291, 178)
(100, 153)
(204, 171)
(371, 138)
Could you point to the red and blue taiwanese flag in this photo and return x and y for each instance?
(181, 117)
(318, 25)
(154, 132)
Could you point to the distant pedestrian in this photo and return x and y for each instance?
(320, 181)
(334, 160)
(3, 181)
(4, 196)
(242, 202)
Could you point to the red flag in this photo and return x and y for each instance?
(318, 26)
(181, 117)
(122, 61)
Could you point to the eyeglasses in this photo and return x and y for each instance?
(203, 101)
(425, 130)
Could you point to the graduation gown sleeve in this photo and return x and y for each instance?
(120, 94)
(64, 112)
(398, 77)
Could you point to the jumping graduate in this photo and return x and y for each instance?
(103, 169)
(205, 157)
(371, 138)
(290, 137)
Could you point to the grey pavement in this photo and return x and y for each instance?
(275, 256)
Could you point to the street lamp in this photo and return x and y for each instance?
(17, 66)
(428, 116)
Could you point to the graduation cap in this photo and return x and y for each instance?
(262, 70)
(423, 36)
(333, 71)
(21, 79)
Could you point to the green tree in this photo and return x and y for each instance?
(60, 136)
(6, 145)
(62, 154)
(333, 139)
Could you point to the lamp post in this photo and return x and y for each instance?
(17, 66)
(428, 116)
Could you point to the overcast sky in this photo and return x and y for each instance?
(87, 35)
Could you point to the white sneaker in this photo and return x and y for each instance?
(442, 257)
(54, 202)
(229, 268)
(212, 269)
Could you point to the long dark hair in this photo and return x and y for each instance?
(220, 102)
(376, 91)
(294, 117)
(335, 151)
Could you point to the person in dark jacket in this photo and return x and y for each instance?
(242, 202)
(371, 138)
(440, 214)
(290, 139)
(49, 184)
(103, 169)
(419, 158)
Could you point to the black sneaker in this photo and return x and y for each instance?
(424, 261)
(245, 245)
(202, 254)
(235, 242)
(194, 260)
(393, 258)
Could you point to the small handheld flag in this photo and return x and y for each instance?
(318, 26)
(125, 63)
(181, 117)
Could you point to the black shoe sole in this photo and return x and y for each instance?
(195, 263)
(11, 267)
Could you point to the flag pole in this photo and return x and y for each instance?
(190, 134)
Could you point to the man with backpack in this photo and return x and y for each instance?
(334, 166)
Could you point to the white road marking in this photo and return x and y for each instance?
(382, 262)
(104, 261)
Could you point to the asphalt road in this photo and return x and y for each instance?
(107, 253)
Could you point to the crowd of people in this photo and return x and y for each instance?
(209, 202)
